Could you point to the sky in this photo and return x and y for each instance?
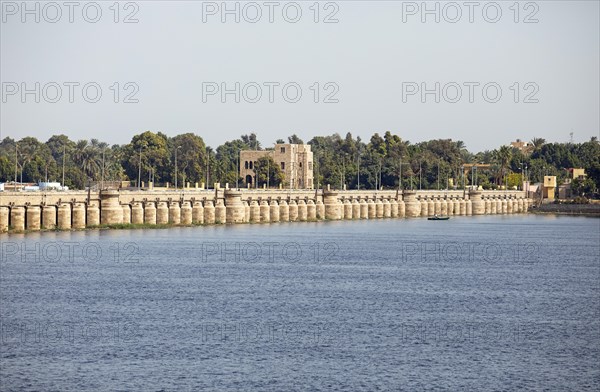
(485, 73)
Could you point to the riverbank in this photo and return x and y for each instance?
(568, 209)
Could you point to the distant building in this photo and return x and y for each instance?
(524, 147)
(294, 160)
(549, 187)
(578, 173)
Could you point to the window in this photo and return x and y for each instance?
(300, 164)
(246, 165)
(282, 165)
(250, 165)
(283, 150)
(309, 165)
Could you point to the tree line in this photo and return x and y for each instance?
(387, 162)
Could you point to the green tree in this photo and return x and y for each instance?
(268, 172)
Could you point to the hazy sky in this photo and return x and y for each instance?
(178, 52)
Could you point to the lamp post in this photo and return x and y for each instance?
(102, 179)
(140, 170)
(16, 164)
(358, 173)
(420, 176)
(176, 148)
(63, 165)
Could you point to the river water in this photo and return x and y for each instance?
(473, 303)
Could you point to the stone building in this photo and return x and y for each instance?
(294, 160)
(524, 147)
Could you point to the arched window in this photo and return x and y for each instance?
(246, 165)
(251, 165)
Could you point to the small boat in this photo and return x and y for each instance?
(436, 218)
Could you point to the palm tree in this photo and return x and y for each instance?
(538, 142)
(502, 157)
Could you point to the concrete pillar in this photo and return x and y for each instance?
(311, 211)
(378, 208)
(126, 213)
(463, 207)
(348, 209)
(443, 207)
(413, 207)
(504, 206)
(437, 206)
(509, 206)
(498, 206)
(197, 213)
(93, 214)
(162, 213)
(293, 211)
(372, 209)
(424, 207)
(186, 213)
(302, 211)
(477, 204)
(332, 205)
(449, 207)
(456, 208)
(320, 210)
(356, 209)
(490, 206)
(430, 207)
(468, 207)
(387, 208)
(17, 218)
(235, 211)
(515, 204)
(401, 209)
(64, 216)
(174, 213)
(284, 211)
(220, 212)
(137, 213)
(4, 213)
(254, 211)
(209, 213)
(265, 212)
(274, 211)
(110, 210)
(246, 210)
(49, 217)
(34, 218)
(79, 216)
(364, 209)
(520, 205)
(394, 208)
(149, 213)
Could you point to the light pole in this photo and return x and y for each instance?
(358, 173)
(420, 177)
(400, 174)
(102, 179)
(16, 164)
(140, 170)
(63, 164)
(176, 148)
(438, 176)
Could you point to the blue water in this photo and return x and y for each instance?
(474, 303)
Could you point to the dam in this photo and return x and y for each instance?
(59, 210)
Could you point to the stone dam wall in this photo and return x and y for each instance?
(21, 211)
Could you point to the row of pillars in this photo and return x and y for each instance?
(232, 209)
